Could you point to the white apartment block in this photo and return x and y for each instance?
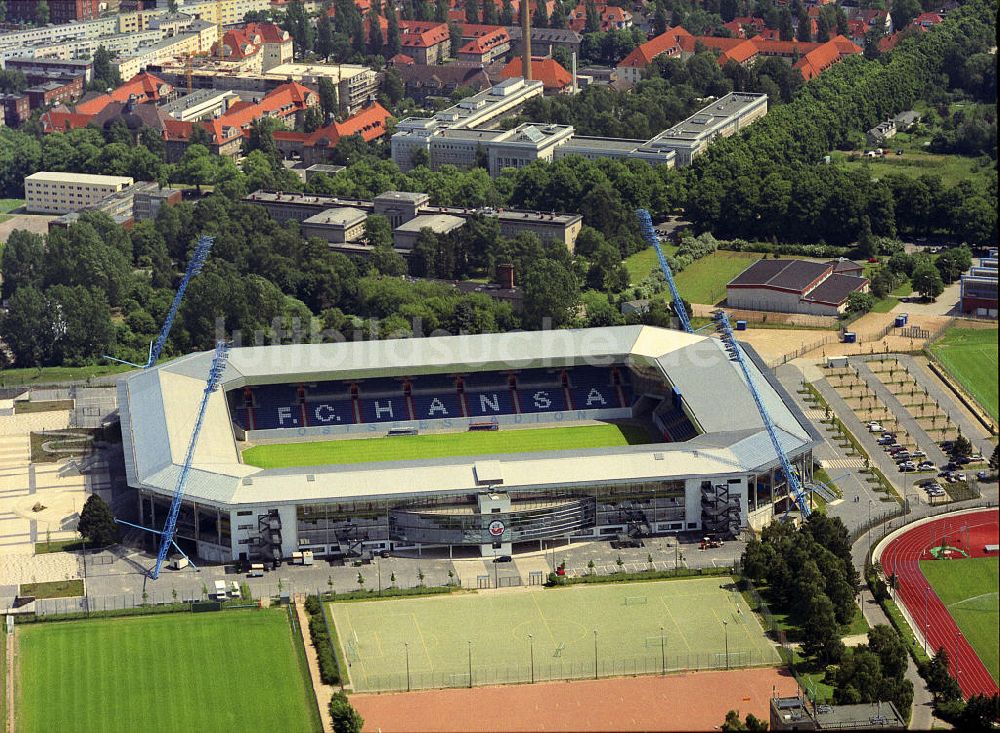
(48, 192)
(227, 12)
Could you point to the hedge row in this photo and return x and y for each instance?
(323, 641)
(643, 575)
(150, 610)
(373, 595)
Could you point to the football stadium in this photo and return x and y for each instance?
(488, 444)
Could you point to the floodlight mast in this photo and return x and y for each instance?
(795, 489)
(211, 385)
(197, 261)
(651, 237)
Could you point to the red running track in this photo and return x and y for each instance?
(968, 532)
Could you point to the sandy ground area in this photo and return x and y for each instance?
(696, 701)
(37, 223)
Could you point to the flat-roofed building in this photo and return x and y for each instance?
(794, 713)
(979, 289)
(399, 206)
(525, 144)
(554, 227)
(48, 192)
(68, 67)
(201, 104)
(722, 118)
(596, 148)
(405, 236)
(336, 226)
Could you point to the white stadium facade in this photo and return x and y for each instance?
(710, 465)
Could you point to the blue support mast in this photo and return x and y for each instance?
(649, 234)
(167, 536)
(795, 488)
(194, 266)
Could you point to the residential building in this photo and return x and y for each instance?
(239, 50)
(148, 200)
(610, 17)
(60, 11)
(406, 234)
(16, 109)
(226, 12)
(275, 44)
(201, 104)
(48, 192)
(51, 93)
(66, 67)
(481, 44)
(543, 40)
(426, 42)
(881, 132)
(179, 46)
(369, 123)
(555, 79)
(422, 82)
(631, 68)
(794, 286)
(818, 60)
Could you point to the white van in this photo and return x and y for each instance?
(221, 592)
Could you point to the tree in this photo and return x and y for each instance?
(105, 75)
(3, 10)
(12, 81)
(42, 12)
(785, 30)
(979, 713)
(804, 32)
(541, 18)
(299, 26)
(927, 280)
(733, 722)
(592, 22)
(953, 262)
(455, 39)
(97, 522)
(858, 302)
(324, 36)
(343, 715)
(312, 120)
(472, 11)
(327, 98)
(25, 327)
(23, 261)
(903, 12)
(550, 292)
(375, 40)
(507, 13)
(81, 328)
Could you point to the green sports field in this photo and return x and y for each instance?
(969, 589)
(970, 354)
(224, 671)
(556, 626)
(411, 447)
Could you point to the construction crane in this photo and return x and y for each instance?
(795, 488)
(194, 266)
(651, 237)
(169, 529)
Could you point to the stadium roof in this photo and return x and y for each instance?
(158, 408)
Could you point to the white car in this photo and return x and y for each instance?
(874, 427)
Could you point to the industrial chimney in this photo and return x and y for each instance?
(526, 38)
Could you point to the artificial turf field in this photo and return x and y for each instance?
(409, 447)
(970, 354)
(223, 671)
(435, 631)
(968, 588)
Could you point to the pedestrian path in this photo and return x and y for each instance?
(842, 462)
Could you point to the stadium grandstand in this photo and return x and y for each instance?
(703, 460)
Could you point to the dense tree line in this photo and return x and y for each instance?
(771, 182)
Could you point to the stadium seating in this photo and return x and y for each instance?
(432, 397)
(677, 425)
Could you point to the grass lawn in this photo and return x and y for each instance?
(7, 206)
(53, 589)
(640, 627)
(644, 262)
(44, 548)
(705, 280)
(50, 375)
(968, 588)
(916, 161)
(970, 355)
(226, 671)
(25, 406)
(410, 447)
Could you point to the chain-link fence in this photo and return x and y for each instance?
(529, 671)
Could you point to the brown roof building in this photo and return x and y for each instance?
(794, 286)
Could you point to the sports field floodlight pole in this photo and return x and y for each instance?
(214, 375)
(795, 489)
(406, 646)
(595, 654)
(653, 240)
(197, 261)
(470, 664)
(725, 626)
(663, 653)
(531, 651)
(927, 624)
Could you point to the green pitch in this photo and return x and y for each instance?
(969, 589)
(555, 625)
(225, 671)
(971, 357)
(410, 447)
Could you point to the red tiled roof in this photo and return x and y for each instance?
(145, 86)
(268, 32)
(740, 53)
(547, 70)
(93, 105)
(237, 44)
(610, 16)
(665, 43)
(820, 59)
(401, 59)
(483, 43)
(369, 123)
(926, 19)
(422, 34)
(60, 118)
(784, 48)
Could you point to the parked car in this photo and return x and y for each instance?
(918, 454)
(902, 456)
(963, 460)
(874, 427)
(907, 467)
(895, 448)
(886, 441)
(960, 477)
(889, 435)
(983, 475)
(926, 466)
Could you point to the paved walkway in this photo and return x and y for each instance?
(323, 692)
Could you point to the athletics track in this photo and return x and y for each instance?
(902, 556)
